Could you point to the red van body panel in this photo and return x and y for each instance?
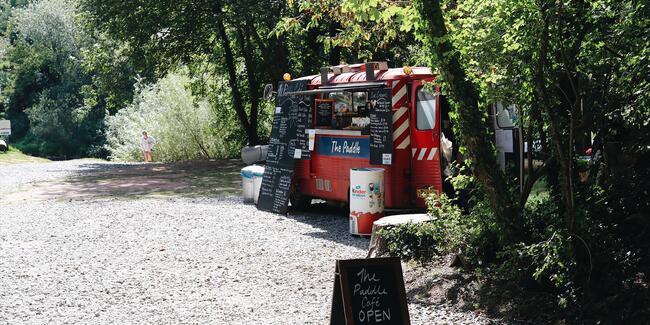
(425, 153)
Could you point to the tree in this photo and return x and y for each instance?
(45, 81)
(165, 34)
(471, 120)
(181, 122)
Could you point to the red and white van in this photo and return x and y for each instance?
(416, 127)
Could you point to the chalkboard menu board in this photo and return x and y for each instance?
(381, 122)
(324, 112)
(300, 115)
(369, 291)
(288, 142)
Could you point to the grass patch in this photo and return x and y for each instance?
(15, 156)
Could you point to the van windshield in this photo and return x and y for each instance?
(425, 110)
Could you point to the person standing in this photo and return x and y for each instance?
(147, 143)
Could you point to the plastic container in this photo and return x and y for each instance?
(258, 174)
(251, 155)
(366, 199)
(247, 183)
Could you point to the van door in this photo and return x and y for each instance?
(425, 139)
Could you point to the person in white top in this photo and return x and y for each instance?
(147, 143)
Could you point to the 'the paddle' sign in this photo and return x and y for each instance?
(369, 291)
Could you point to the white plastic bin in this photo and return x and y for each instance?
(247, 183)
(258, 174)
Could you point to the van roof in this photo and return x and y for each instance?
(390, 74)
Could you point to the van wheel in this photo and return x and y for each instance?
(299, 201)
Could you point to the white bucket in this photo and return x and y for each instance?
(366, 199)
(258, 174)
(247, 183)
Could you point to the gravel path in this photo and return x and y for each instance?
(169, 261)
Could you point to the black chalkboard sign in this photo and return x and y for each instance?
(381, 123)
(288, 142)
(369, 291)
(324, 112)
(301, 116)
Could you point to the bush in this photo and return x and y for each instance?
(184, 127)
(411, 241)
(545, 261)
(449, 231)
(60, 127)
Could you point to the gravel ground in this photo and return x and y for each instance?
(12, 177)
(169, 260)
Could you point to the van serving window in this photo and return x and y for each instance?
(425, 110)
(350, 110)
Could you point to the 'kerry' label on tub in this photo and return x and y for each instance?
(369, 291)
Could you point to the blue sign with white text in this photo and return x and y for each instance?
(343, 147)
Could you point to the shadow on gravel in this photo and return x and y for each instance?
(438, 284)
(137, 180)
(332, 221)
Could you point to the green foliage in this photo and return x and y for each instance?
(112, 72)
(51, 23)
(184, 126)
(412, 241)
(549, 262)
(229, 38)
(54, 118)
(351, 30)
(43, 95)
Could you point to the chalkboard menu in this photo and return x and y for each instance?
(369, 291)
(324, 112)
(300, 115)
(288, 142)
(381, 122)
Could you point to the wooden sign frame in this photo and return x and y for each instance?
(341, 311)
(318, 102)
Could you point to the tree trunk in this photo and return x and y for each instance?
(557, 138)
(473, 126)
(335, 51)
(311, 53)
(251, 67)
(251, 130)
(275, 56)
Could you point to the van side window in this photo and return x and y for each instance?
(425, 110)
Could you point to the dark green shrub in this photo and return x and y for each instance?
(411, 241)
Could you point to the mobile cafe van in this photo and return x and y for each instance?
(341, 133)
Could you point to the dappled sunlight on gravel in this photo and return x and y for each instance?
(173, 260)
